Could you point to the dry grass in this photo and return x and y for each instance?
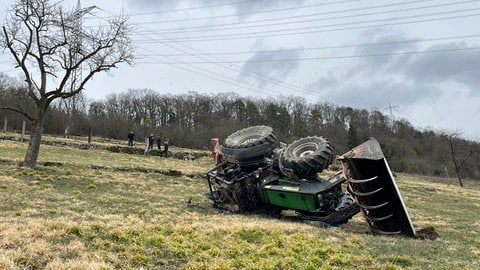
(103, 210)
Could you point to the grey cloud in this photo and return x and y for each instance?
(240, 7)
(263, 70)
(371, 92)
(459, 65)
(379, 93)
(403, 79)
(456, 65)
(327, 82)
(389, 42)
(393, 41)
(245, 8)
(149, 4)
(375, 81)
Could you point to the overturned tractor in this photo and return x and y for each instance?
(254, 172)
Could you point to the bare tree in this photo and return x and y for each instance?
(460, 152)
(43, 39)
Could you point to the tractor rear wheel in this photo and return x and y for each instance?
(307, 156)
(249, 145)
(251, 136)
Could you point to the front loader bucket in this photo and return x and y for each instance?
(371, 182)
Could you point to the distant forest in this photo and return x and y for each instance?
(191, 120)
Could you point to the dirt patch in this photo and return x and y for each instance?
(125, 150)
(427, 233)
(148, 170)
(155, 152)
(10, 162)
(52, 164)
(145, 170)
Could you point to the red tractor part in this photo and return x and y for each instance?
(216, 151)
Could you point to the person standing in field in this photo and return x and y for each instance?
(130, 138)
(149, 144)
(165, 148)
(159, 143)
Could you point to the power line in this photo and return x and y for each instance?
(228, 80)
(249, 13)
(215, 75)
(324, 58)
(331, 47)
(192, 8)
(284, 19)
(249, 73)
(268, 33)
(291, 17)
(410, 117)
(220, 77)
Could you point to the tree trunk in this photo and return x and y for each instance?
(35, 139)
(459, 177)
(460, 181)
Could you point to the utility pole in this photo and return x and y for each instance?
(77, 31)
(76, 19)
(390, 110)
(77, 46)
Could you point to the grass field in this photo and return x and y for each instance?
(94, 209)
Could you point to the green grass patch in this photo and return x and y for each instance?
(94, 209)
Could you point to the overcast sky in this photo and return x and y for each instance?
(417, 60)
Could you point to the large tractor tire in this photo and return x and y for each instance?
(249, 146)
(251, 136)
(307, 156)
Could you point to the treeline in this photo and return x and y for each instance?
(191, 120)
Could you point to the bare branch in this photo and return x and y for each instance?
(19, 111)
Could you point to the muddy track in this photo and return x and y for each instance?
(116, 148)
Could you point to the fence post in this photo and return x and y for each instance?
(23, 130)
(89, 135)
